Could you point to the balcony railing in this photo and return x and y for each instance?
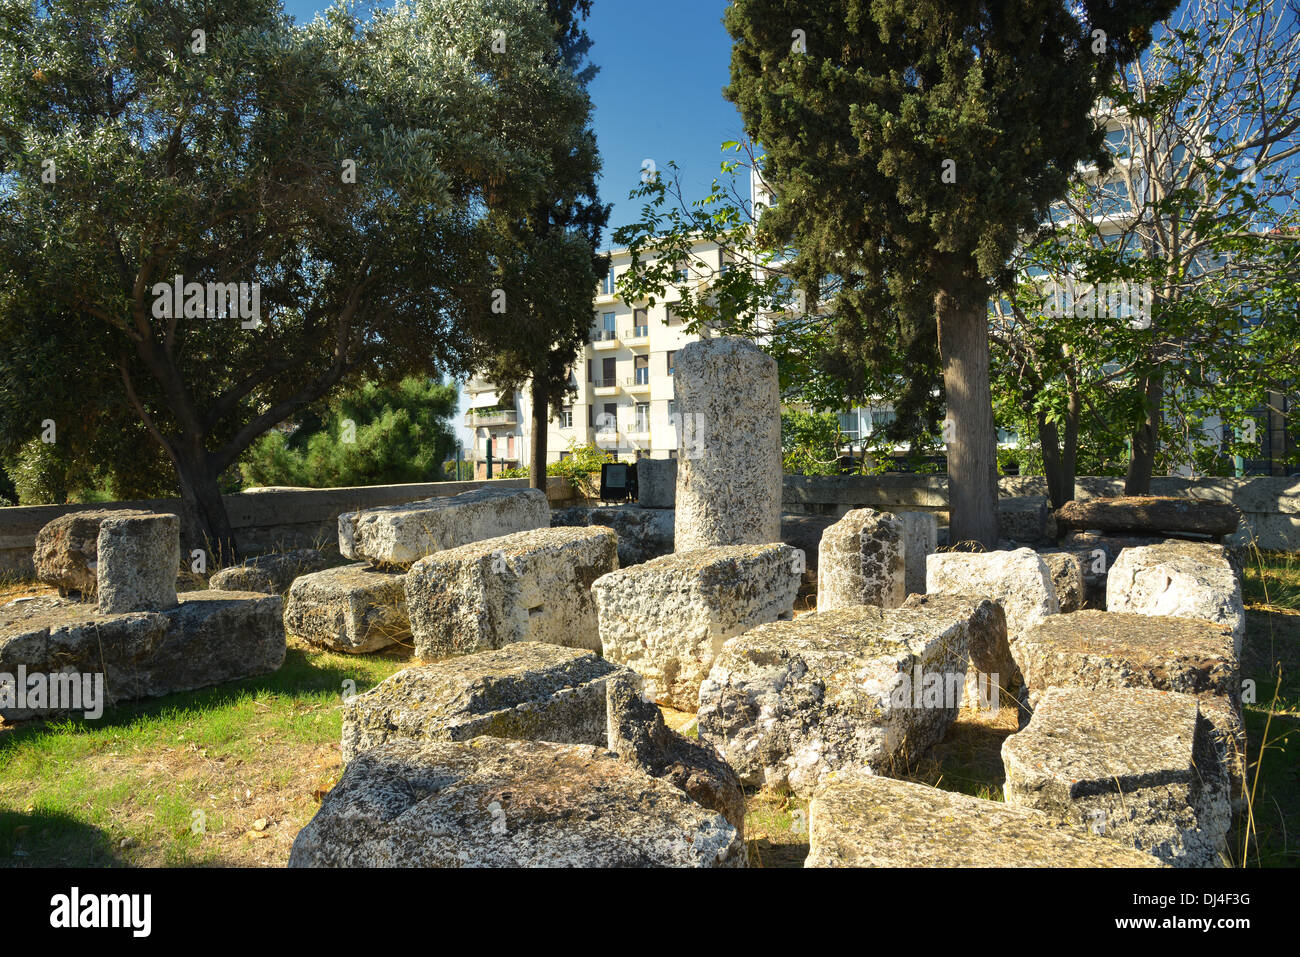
(641, 378)
(604, 383)
(487, 417)
(636, 332)
(603, 335)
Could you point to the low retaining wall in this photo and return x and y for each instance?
(302, 517)
(1270, 506)
(263, 519)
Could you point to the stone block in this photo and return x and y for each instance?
(351, 608)
(1178, 579)
(138, 558)
(527, 690)
(861, 561)
(492, 802)
(399, 535)
(530, 586)
(656, 483)
(668, 618)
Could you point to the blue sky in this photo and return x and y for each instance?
(658, 94)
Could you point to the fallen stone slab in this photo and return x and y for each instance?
(530, 586)
(643, 533)
(1099, 650)
(526, 690)
(398, 535)
(492, 802)
(656, 483)
(268, 574)
(1149, 514)
(351, 608)
(207, 639)
(138, 557)
(858, 687)
(1025, 519)
(920, 540)
(861, 561)
(1135, 765)
(1019, 580)
(859, 820)
(66, 554)
(668, 618)
(729, 475)
(1068, 580)
(638, 734)
(1179, 579)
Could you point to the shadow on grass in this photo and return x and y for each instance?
(49, 839)
(303, 673)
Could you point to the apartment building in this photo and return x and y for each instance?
(623, 399)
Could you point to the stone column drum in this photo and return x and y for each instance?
(729, 445)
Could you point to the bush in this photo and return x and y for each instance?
(369, 435)
(581, 467)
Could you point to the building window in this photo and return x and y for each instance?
(643, 417)
(640, 323)
(566, 417)
(608, 286)
(641, 368)
(672, 361)
(669, 318)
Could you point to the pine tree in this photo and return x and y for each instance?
(912, 145)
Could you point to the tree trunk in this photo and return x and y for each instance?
(970, 432)
(1146, 437)
(205, 523)
(1060, 453)
(537, 440)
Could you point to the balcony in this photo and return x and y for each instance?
(636, 335)
(638, 383)
(604, 339)
(484, 418)
(604, 386)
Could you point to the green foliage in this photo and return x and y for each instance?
(810, 442)
(581, 466)
(399, 434)
(230, 165)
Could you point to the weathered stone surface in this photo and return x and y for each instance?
(861, 561)
(987, 642)
(1101, 650)
(56, 636)
(1068, 581)
(138, 557)
(1024, 519)
(218, 636)
(637, 733)
(207, 639)
(656, 483)
(527, 690)
(1132, 764)
(1019, 580)
(920, 540)
(530, 586)
(1149, 514)
(268, 574)
(858, 687)
(643, 533)
(1179, 579)
(497, 803)
(729, 469)
(352, 608)
(859, 820)
(403, 534)
(67, 550)
(667, 618)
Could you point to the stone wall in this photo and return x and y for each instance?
(297, 517)
(1270, 505)
(263, 519)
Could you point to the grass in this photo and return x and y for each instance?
(224, 776)
(228, 775)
